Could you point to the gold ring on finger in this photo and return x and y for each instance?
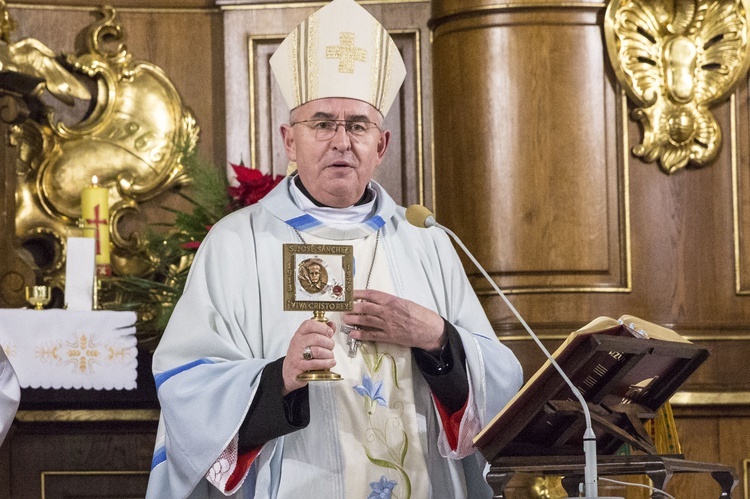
(307, 353)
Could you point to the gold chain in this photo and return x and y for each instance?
(374, 253)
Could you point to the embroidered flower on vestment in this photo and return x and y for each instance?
(381, 489)
(372, 393)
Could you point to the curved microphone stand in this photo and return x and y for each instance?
(420, 216)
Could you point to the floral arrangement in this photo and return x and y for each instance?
(170, 251)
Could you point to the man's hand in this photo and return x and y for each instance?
(383, 317)
(318, 337)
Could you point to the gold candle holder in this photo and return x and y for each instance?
(38, 296)
(97, 287)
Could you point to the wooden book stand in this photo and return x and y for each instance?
(625, 378)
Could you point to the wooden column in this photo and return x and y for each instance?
(527, 164)
(534, 171)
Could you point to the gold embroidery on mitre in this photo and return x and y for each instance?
(313, 71)
(358, 60)
(380, 75)
(347, 53)
(376, 68)
(294, 65)
(388, 70)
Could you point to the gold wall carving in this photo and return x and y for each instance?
(676, 59)
(133, 140)
(30, 57)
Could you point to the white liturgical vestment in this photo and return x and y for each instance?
(230, 323)
(10, 395)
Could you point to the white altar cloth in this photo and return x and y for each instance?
(71, 348)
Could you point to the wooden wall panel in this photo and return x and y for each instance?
(252, 33)
(63, 459)
(705, 449)
(513, 109)
(741, 187)
(532, 153)
(681, 225)
(682, 262)
(5, 467)
(734, 449)
(445, 8)
(713, 435)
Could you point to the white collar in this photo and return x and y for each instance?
(281, 204)
(335, 216)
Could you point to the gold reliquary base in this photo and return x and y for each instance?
(319, 375)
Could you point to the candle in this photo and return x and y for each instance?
(95, 214)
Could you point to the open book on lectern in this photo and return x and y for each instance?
(625, 369)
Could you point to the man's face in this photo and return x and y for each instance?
(314, 274)
(335, 171)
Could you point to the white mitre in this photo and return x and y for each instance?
(339, 51)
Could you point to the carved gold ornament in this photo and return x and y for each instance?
(675, 59)
(31, 57)
(133, 139)
(547, 487)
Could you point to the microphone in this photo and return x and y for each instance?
(420, 216)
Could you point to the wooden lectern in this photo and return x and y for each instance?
(625, 370)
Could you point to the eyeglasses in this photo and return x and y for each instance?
(326, 129)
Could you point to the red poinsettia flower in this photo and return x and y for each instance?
(253, 185)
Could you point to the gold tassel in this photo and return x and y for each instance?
(663, 431)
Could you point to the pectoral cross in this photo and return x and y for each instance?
(350, 342)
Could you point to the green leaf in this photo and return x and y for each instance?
(394, 371)
(404, 447)
(379, 362)
(380, 462)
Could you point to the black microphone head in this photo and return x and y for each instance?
(419, 216)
